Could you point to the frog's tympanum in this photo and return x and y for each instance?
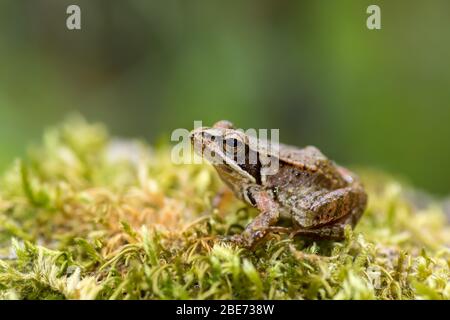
(318, 196)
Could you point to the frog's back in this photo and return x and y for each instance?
(296, 181)
(311, 168)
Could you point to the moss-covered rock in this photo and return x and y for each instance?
(85, 216)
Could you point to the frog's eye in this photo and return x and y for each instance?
(231, 142)
(208, 136)
(233, 145)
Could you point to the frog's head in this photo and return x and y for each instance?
(227, 149)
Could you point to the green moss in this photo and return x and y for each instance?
(85, 216)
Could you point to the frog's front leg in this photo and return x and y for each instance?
(260, 225)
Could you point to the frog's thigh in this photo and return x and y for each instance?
(332, 212)
(334, 205)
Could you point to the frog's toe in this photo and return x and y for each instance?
(236, 239)
(233, 238)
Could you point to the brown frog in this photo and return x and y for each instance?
(318, 196)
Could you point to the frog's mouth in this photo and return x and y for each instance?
(227, 166)
(232, 170)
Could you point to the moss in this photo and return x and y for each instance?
(85, 216)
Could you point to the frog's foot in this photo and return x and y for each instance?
(258, 228)
(228, 239)
(326, 232)
(261, 224)
(277, 229)
(245, 239)
(250, 240)
(331, 231)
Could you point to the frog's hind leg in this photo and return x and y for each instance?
(334, 231)
(334, 206)
(261, 225)
(333, 212)
(278, 229)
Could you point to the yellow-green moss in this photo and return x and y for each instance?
(85, 216)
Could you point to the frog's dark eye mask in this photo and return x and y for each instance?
(234, 147)
(232, 142)
(246, 158)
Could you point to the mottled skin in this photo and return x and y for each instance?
(320, 197)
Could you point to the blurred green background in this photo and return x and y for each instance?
(311, 68)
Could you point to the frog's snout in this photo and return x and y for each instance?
(196, 135)
(191, 136)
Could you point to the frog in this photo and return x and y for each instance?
(318, 197)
